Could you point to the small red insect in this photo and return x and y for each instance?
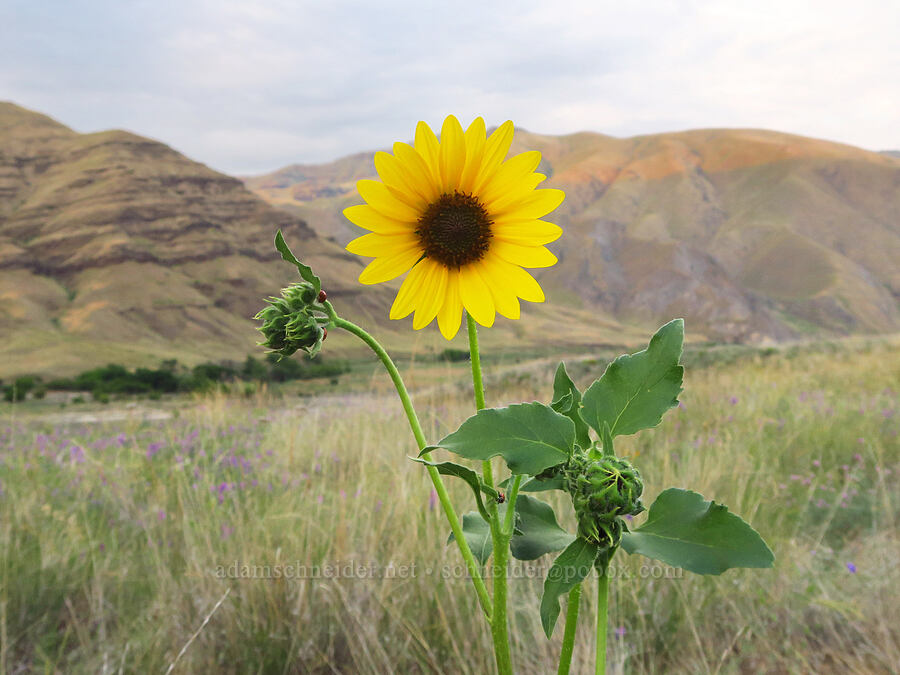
(501, 497)
(322, 296)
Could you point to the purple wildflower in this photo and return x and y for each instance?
(851, 567)
(152, 449)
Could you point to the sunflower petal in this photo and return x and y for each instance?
(525, 256)
(390, 267)
(495, 149)
(452, 154)
(366, 217)
(404, 303)
(417, 172)
(526, 232)
(374, 245)
(476, 296)
(516, 193)
(432, 296)
(380, 198)
(391, 172)
(504, 295)
(427, 146)
(519, 280)
(450, 314)
(475, 139)
(511, 173)
(538, 203)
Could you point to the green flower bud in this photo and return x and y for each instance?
(551, 472)
(289, 322)
(603, 489)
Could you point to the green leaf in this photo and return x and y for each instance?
(477, 533)
(536, 485)
(529, 436)
(305, 271)
(637, 389)
(540, 533)
(684, 530)
(468, 475)
(568, 570)
(567, 401)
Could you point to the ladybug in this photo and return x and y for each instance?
(501, 497)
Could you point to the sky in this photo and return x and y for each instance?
(248, 86)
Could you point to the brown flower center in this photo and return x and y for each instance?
(455, 230)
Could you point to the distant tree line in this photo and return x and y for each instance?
(172, 377)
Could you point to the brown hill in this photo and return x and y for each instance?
(117, 248)
(748, 234)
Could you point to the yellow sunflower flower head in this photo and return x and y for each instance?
(461, 219)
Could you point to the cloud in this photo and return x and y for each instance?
(250, 86)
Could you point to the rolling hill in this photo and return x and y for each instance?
(751, 235)
(116, 248)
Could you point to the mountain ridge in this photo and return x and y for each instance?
(117, 248)
(707, 223)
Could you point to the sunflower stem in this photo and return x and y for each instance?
(568, 645)
(510, 520)
(456, 527)
(602, 606)
(477, 380)
(499, 536)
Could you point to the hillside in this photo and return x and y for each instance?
(116, 248)
(750, 235)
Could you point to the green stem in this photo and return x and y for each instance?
(499, 536)
(476, 363)
(499, 623)
(602, 606)
(568, 645)
(471, 564)
(509, 520)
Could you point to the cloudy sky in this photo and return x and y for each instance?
(247, 86)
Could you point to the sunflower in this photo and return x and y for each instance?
(462, 221)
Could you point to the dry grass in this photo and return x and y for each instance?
(111, 534)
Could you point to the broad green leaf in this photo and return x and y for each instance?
(567, 401)
(540, 533)
(568, 570)
(529, 436)
(535, 485)
(684, 530)
(305, 271)
(637, 389)
(468, 475)
(477, 533)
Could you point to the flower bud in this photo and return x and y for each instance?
(289, 323)
(603, 489)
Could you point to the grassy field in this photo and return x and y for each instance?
(128, 534)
